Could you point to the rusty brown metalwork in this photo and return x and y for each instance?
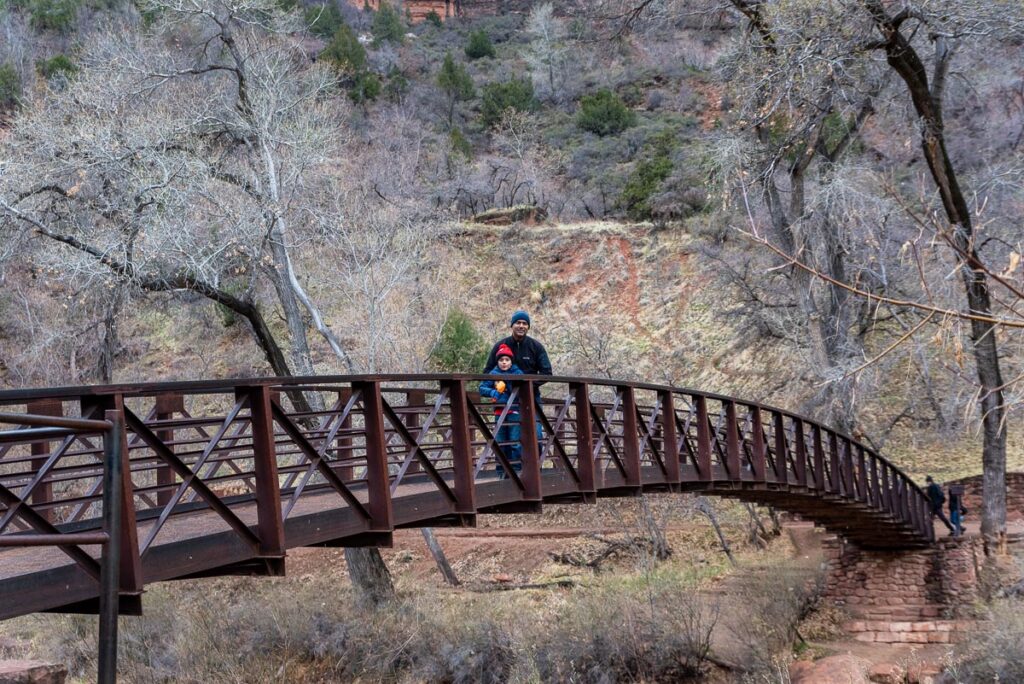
(222, 477)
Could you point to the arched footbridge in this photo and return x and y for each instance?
(106, 489)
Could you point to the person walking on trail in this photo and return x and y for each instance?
(935, 500)
(956, 509)
(498, 390)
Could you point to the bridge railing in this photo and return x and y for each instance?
(261, 453)
(27, 516)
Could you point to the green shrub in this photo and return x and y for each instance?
(387, 25)
(397, 84)
(479, 45)
(456, 84)
(345, 52)
(10, 87)
(460, 144)
(58, 65)
(53, 15)
(460, 348)
(516, 94)
(367, 87)
(603, 113)
(434, 18)
(647, 177)
(324, 20)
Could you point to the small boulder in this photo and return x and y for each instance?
(837, 669)
(886, 673)
(31, 672)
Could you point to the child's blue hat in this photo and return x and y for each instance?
(520, 316)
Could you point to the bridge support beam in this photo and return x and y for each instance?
(270, 525)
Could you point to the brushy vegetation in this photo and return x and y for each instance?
(10, 87)
(996, 654)
(654, 629)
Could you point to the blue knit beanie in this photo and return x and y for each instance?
(520, 316)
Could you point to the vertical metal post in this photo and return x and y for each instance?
(462, 447)
(800, 447)
(703, 438)
(167, 405)
(819, 458)
(836, 479)
(378, 484)
(130, 568)
(270, 524)
(876, 484)
(43, 493)
(849, 482)
(758, 462)
(732, 441)
(530, 476)
(669, 440)
(345, 439)
(111, 560)
(781, 448)
(863, 494)
(630, 438)
(584, 438)
(413, 420)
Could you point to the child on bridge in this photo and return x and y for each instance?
(499, 391)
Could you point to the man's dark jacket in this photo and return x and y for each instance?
(528, 354)
(935, 496)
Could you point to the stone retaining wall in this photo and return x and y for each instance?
(904, 597)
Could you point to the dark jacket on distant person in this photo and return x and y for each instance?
(528, 354)
(935, 496)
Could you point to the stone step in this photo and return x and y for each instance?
(895, 612)
(919, 632)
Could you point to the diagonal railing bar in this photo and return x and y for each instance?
(188, 476)
(716, 433)
(683, 437)
(559, 447)
(321, 452)
(231, 445)
(553, 429)
(81, 509)
(423, 434)
(502, 417)
(26, 492)
(647, 427)
(41, 524)
(414, 448)
(493, 446)
(186, 482)
(293, 432)
(605, 440)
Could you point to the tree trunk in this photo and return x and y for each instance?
(370, 577)
(438, 553)
(927, 101)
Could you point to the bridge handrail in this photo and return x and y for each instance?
(318, 382)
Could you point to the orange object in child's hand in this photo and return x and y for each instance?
(500, 386)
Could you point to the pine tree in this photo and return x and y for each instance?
(456, 83)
